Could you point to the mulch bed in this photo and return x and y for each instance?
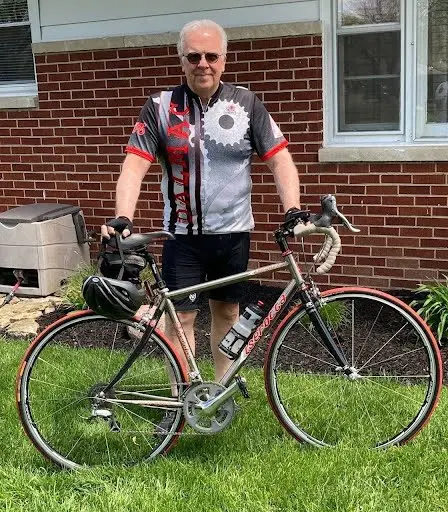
(253, 293)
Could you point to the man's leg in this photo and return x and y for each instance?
(187, 319)
(181, 267)
(224, 315)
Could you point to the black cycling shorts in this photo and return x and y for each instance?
(194, 259)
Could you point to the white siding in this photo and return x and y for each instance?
(58, 20)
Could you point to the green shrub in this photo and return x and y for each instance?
(334, 314)
(434, 306)
(71, 289)
(147, 275)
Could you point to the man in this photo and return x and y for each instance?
(204, 133)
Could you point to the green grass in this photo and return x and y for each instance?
(253, 466)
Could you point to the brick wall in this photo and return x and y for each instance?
(70, 149)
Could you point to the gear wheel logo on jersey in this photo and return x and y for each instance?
(226, 123)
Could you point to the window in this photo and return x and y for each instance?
(17, 75)
(432, 77)
(386, 72)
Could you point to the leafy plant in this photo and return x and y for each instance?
(434, 306)
(334, 314)
(71, 289)
(147, 275)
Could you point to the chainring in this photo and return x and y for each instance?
(201, 393)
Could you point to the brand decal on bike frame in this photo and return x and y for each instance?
(265, 324)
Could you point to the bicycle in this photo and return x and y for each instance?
(84, 400)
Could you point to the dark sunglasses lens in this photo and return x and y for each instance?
(194, 58)
(211, 57)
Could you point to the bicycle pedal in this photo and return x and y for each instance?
(242, 385)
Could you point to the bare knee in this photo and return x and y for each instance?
(186, 319)
(224, 312)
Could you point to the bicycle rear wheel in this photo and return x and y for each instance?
(385, 401)
(61, 402)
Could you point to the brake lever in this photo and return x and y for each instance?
(329, 210)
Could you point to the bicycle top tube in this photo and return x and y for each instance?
(224, 281)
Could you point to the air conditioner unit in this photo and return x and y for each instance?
(47, 241)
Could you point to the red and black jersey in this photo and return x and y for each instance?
(206, 154)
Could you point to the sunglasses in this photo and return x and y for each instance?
(195, 57)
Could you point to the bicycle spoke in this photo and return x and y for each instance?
(310, 356)
(94, 424)
(324, 383)
(381, 348)
(398, 356)
(387, 395)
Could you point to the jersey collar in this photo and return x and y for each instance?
(213, 99)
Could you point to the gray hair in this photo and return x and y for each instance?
(197, 25)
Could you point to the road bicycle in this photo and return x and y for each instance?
(349, 365)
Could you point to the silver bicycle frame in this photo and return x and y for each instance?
(284, 297)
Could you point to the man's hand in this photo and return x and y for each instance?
(120, 224)
(297, 213)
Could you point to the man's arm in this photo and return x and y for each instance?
(286, 179)
(133, 171)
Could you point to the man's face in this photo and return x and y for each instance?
(203, 78)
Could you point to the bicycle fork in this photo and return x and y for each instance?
(326, 336)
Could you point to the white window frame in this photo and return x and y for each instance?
(424, 130)
(11, 92)
(413, 132)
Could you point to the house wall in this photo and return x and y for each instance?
(70, 149)
(56, 21)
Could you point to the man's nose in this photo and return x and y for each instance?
(203, 63)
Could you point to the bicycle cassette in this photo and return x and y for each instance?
(198, 419)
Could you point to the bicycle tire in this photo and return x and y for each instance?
(399, 368)
(62, 374)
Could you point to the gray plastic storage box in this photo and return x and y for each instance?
(48, 241)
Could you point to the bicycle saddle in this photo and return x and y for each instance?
(141, 239)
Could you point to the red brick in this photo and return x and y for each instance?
(57, 57)
(296, 41)
(412, 225)
(238, 46)
(127, 53)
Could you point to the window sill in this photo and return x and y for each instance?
(18, 102)
(414, 153)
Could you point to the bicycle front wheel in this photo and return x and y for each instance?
(65, 411)
(388, 394)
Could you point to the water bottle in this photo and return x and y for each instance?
(235, 340)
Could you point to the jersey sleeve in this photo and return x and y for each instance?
(144, 139)
(267, 137)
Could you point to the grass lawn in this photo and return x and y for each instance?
(252, 466)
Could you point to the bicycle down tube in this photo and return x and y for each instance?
(297, 283)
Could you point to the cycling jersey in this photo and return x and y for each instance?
(205, 154)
